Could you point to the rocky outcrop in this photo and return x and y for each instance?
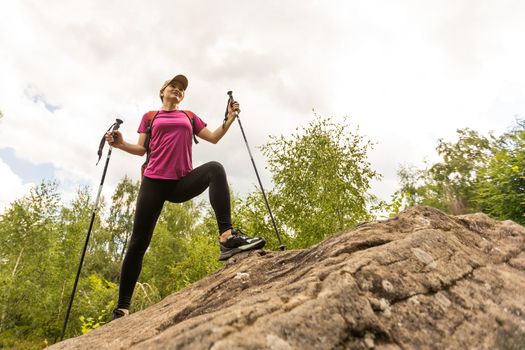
(420, 280)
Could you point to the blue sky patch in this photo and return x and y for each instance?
(37, 97)
(26, 170)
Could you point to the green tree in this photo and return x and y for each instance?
(29, 246)
(74, 223)
(40, 245)
(97, 290)
(111, 242)
(321, 179)
(501, 189)
(198, 261)
(477, 173)
(449, 185)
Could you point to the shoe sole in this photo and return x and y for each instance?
(232, 252)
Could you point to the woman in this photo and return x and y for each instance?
(169, 176)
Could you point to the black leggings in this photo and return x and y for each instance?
(152, 194)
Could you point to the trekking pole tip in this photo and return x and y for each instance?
(281, 247)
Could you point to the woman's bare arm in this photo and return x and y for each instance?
(119, 142)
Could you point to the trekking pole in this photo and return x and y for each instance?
(230, 100)
(113, 128)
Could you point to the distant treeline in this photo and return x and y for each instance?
(476, 174)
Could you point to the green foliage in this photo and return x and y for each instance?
(501, 188)
(173, 235)
(477, 173)
(321, 177)
(398, 201)
(95, 299)
(449, 185)
(120, 219)
(108, 244)
(40, 247)
(29, 246)
(252, 217)
(199, 260)
(90, 323)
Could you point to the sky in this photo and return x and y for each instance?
(405, 72)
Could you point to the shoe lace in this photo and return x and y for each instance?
(239, 233)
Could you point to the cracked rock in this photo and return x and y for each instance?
(419, 280)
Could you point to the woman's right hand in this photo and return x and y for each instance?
(115, 139)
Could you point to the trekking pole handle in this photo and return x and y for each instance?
(116, 126)
(113, 128)
(230, 100)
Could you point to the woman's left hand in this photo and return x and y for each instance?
(234, 109)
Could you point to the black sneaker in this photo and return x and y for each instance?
(239, 242)
(117, 313)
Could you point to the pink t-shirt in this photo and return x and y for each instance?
(170, 144)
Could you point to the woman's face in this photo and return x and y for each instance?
(174, 91)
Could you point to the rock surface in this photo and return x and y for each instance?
(421, 280)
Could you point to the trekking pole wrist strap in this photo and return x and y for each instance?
(230, 100)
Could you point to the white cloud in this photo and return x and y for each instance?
(12, 186)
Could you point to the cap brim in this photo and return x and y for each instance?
(180, 79)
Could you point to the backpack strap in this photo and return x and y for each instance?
(191, 116)
(151, 115)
